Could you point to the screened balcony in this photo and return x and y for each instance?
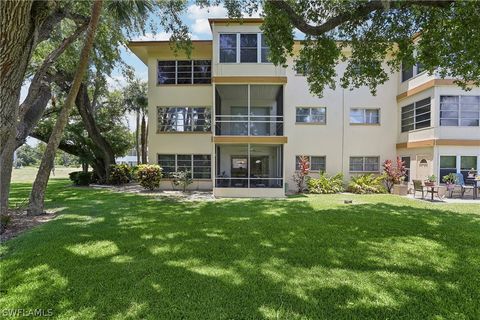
(249, 110)
(249, 166)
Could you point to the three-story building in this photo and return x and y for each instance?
(238, 123)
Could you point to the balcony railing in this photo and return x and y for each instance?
(245, 125)
(254, 182)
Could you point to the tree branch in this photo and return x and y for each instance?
(361, 11)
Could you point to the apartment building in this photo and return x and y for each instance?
(238, 123)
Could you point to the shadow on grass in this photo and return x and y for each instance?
(112, 255)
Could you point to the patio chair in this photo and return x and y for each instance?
(418, 186)
(464, 187)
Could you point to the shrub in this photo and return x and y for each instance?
(325, 184)
(149, 176)
(120, 174)
(5, 220)
(80, 178)
(182, 178)
(367, 183)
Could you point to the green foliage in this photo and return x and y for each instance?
(80, 178)
(432, 178)
(149, 176)
(450, 178)
(367, 183)
(365, 34)
(28, 155)
(120, 174)
(5, 220)
(182, 179)
(325, 184)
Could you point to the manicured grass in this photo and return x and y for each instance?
(28, 174)
(123, 256)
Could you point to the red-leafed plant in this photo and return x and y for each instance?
(394, 174)
(300, 176)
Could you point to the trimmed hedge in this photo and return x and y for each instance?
(80, 178)
(120, 174)
(149, 176)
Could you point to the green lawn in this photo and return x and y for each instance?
(124, 256)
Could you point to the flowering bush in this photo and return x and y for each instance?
(149, 176)
(393, 175)
(182, 179)
(300, 176)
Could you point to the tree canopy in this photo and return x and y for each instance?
(373, 37)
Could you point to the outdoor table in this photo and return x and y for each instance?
(432, 189)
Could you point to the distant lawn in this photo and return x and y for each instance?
(124, 256)
(28, 174)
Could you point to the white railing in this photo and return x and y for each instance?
(249, 125)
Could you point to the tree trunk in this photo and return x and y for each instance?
(37, 195)
(17, 40)
(85, 109)
(144, 139)
(137, 137)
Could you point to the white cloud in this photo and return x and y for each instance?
(154, 36)
(200, 17)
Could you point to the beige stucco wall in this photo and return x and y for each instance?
(337, 140)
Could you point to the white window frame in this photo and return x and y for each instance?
(238, 48)
(415, 72)
(310, 162)
(191, 162)
(310, 114)
(415, 115)
(459, 111)
(363, 164)
(364, 122)
(208, 111)
(192, 68)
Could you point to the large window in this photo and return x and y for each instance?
(448, 164)
(228, 47)
(416, 115)
(183, 119)
(184, 72)
(199, 165)
(364, 116)
(316, 163)
(409, 72)
(460, 111)
(251, 48)
(364, 164)
(248, 48)
(316, 115)
(468, 164)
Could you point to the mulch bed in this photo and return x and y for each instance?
(20, 222)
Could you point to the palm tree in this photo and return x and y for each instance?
(37, 196)
(135, 99)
